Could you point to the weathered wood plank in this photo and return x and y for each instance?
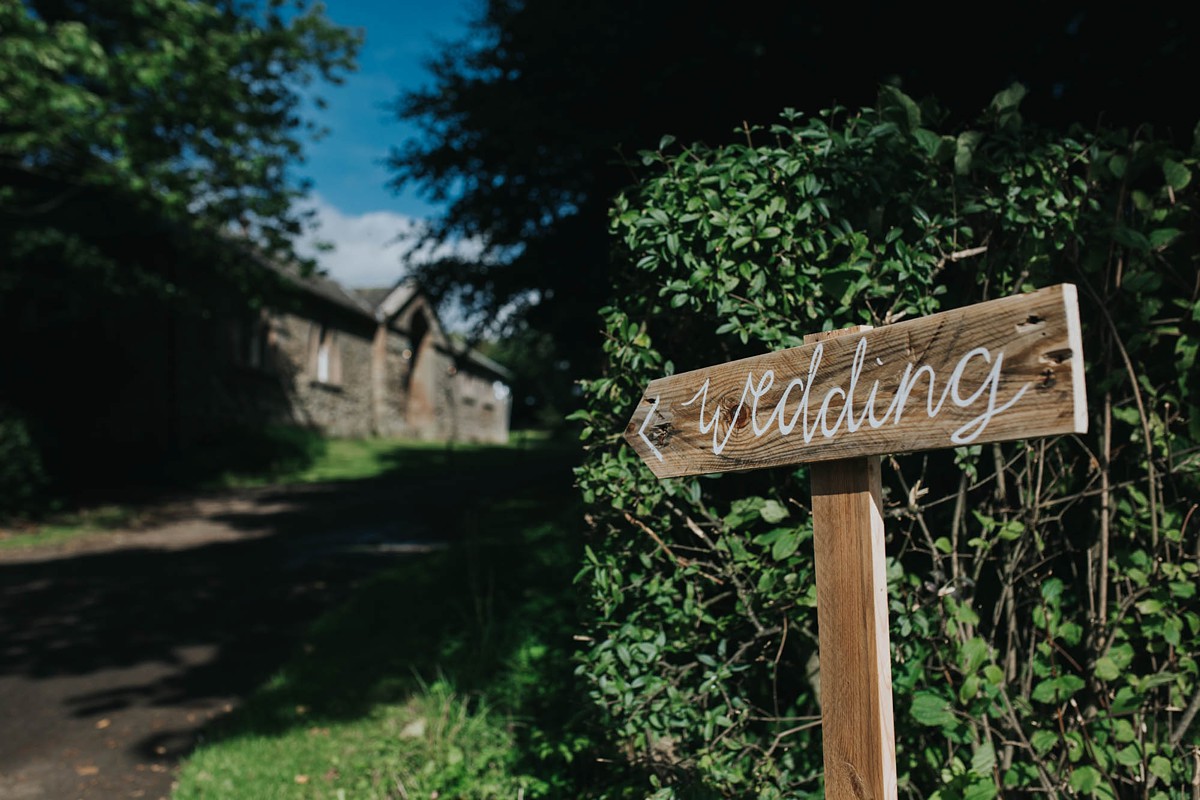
(857, 728)
(1005, 369)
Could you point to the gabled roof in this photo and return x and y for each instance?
(397, 298)
(372, 297)
(485, 363)
(406, 299)
(323, 288)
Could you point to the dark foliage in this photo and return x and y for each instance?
(530, 122)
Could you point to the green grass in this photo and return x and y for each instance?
(280, 456)
(447, 676)
(436, 741)
(63, 528)
(293, 455)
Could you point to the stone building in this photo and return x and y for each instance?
(175, 371)
(375, 363)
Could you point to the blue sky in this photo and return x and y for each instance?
(359, 215)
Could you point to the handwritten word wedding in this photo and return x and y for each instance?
(840, 408)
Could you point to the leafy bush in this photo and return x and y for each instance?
(22, 475)
(1044, 619)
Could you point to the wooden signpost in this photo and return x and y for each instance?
(1001, 370)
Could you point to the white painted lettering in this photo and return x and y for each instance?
(754, 392)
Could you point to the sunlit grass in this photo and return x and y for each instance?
(448, 675)
(437, 742)
(63, 528)
(329, 460)
(279, 457)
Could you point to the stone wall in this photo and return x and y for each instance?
(479, 410)
(334, 397)
(392, 397)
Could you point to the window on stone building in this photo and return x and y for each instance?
(253, 338)
(325, 357)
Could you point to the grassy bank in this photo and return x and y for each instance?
(274, 456)
(62, 528)
(448, 676)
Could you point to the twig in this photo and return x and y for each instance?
(1151, 474)
(1196, 773)
(1186, 720)
(1105, 513)
(1047, 784)
(775, 672)
(1177, 736)
(682, 562)
(959, 255)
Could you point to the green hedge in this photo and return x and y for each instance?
(1044, 618)
(23, 478)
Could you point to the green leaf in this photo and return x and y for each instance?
(787, 544)
(930, 142)
(931, 709)
(1162, 237)
(899, 100)
(1052, 590)
(1009, 98)
(1057, 690)
(773, 511)
(984, 759)
(1106, 669)
(994, 674)
(1085, 779)
(1121, 654)
(980, 790)
(1154, 681)
(1150, 606)
(1043, 741)
(1161, 767)
(974, 652)
(1178, 176)
(965, 152)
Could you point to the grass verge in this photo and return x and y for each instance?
(63, 528)
(447, 676)
(275, 456)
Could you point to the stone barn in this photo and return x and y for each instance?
(376, 362)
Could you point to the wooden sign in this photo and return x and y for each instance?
(1005, 369)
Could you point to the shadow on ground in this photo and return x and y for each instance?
(112, 663)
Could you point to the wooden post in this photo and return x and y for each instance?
(852, 625)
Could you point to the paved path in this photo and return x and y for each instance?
(116, 651)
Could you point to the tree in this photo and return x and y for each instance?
(189, 107)
(530, 122)
(145, 148)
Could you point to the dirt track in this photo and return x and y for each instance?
(116, 651)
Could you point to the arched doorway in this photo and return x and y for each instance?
(420, 410)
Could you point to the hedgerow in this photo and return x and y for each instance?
(1044, 618)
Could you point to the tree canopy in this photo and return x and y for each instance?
(533, 121)
(135, 139)
(190, 107)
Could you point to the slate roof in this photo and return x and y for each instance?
(374, 296)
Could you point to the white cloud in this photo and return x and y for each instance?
(369, 249)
